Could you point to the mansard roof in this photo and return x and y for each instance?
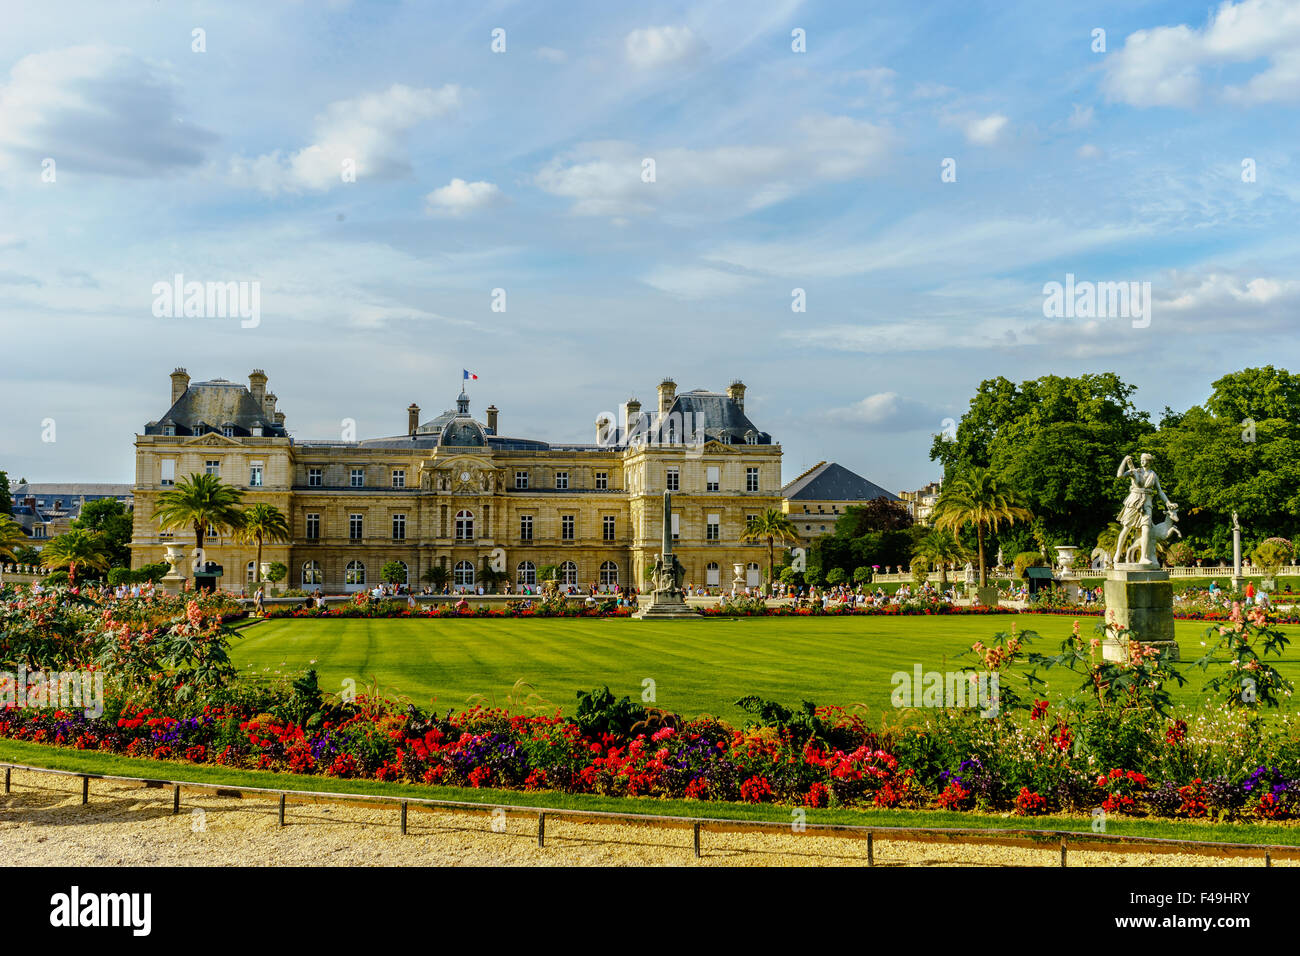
(209, 406)
(828, 481)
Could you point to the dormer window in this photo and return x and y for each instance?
(169, 431)
(257, 431)
(228, 431)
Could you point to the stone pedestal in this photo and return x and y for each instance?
(1143, 602)
(665, 605)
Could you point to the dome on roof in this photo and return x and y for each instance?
(462, 431)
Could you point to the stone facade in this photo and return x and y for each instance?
(454, 492)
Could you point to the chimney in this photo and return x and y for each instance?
(631, 413)
(279, 419)
(268, 404)
(606, 430)
(736, 392)
(412, 418)
(667, 392)
(180, 382)
(492, 412)
(257, 385)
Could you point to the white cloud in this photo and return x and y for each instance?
(984, 130)
(99, 109)
(605, 178)
(367, 131)
(659, 46)
(1080, 117)
(1089, 151)
(551, 55)
(879, 80)
(1163, 66)
(885, 411)
(696, 282)
(458, 197)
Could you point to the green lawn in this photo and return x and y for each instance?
(697, 667)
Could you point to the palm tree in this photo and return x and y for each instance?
(771, 525)
(11, 536)
(437, 575)
(199, 502)
(980, 498)
(940, 547)
(75, 548)
(261, 523)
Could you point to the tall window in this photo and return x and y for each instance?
(311, 573)
(315, 477)
(399, 527)
(569, 574)
(607, 527)
(212, 467)
(608, 574)
(526, 573)
(566, 527)
(355, 573)
(525, 527)
(562, 480)
(712, 576)
(521, 480)
(464, 525)
(250, 572)
(313, 525)
(167, 472)
(751, 479)
(677, 526)
(463, 574)
(358, 478)
(228, 431)
(356, 526)
(602, 481)
(254, 476)
(711, 480)
(753, 575)
(712, 528)
(399, 477)
(673, 479)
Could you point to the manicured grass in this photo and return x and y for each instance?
(57, 758)
(697, 666)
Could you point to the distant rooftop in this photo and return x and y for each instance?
(827, 481)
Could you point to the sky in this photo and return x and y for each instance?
(855, 209)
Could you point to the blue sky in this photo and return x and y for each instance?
(521, 170)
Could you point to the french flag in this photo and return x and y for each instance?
(468, 376)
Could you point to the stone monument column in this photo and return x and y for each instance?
(1238, 579)
(667, 600)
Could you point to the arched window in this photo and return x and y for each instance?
(608, 574)
(463, 574)
(753, 575)
(569, 574)
(311, 573)
(526, 573)
(250, 572)
(711, 575)
(465, 527)
(355, 573)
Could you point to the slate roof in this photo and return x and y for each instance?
(209, 406)
(828, 481)
(718, 416)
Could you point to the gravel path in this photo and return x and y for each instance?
(42, 822)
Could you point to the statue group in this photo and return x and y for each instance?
(1139, 535)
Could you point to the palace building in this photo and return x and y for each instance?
(454, 492)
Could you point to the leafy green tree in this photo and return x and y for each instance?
(200, 502)
(76, 549)
(277, 571)
(393, 572)
(940, 547)
(979, 498)
(261, 523)
(113, 520)
(6, 495)
(771, 526)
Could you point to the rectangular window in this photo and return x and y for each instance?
(167, 472)
(750, 519)
(711, 528)
(711, 478)
(607, 527)
(313, 526)
(358, 477)
(521, 480)
(673, 480)
(315, 477)
(562, 480)
(751, 479)
(212, 467)
(602, 481)
(677, 526)
(525, 527)
(255, 476)
(399, 477)
(169, 430)
(356, 527)
(566, 527)
(399, 527)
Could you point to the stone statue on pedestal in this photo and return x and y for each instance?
(1135, 517)
(667, 574)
